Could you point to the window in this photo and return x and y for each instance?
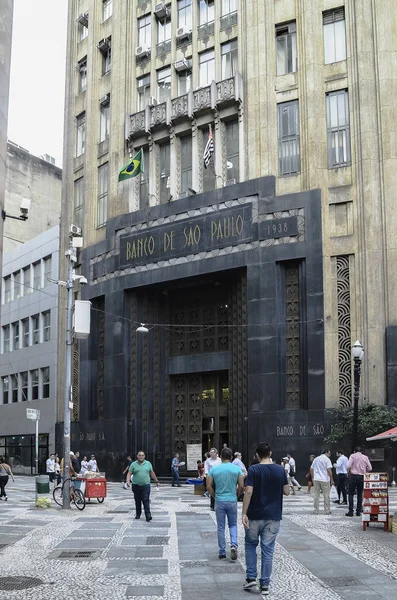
(37, 276)
(165, 171)
(24, 386)
(14, 380)
(4, 382)
(186, 163)
(185, 14)
(47, 270)
(338, 129)
(7, 289)
(334, 35)
(15, 335)
(207, 67)
(78, 202)
(229, 59)
(288, 138)
(232, 150)
(80, 135)
(286, 56)
(6, 338)
(25, 333)
(144, 185)
(164, 33)
(164, 84)
(46, 326)
(104, 121)
(107, 9)
(83, 75)
(229, 13)
(143, 89)
(206, 11)
(106, 60)
(35, 384)
(17, 284)
(102, 208)
(82, 31)
(45, 374)
(27, 288)
(35, 329)
(184, 82)
(144, 31)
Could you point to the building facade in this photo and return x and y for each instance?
(29, 176)
(28, 350)
(299, 99)
(6, 12)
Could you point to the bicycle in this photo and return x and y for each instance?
(76, 495)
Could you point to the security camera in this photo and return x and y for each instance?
(24, 208)
(83, 281)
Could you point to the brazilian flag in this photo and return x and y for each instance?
(133, 167)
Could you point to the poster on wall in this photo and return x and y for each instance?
(193, 453)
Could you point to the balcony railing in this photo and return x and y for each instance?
(158, 114)
(180, 107)
(205, 30)
(227, 21)
(163, 48)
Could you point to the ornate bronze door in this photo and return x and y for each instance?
(200, 411)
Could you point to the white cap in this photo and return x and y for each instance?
(71, 453)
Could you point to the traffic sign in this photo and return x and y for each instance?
(32, 413)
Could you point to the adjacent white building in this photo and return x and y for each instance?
(28, 349)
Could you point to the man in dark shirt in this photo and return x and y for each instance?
(266, 484)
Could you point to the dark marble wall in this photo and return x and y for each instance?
(301, 431)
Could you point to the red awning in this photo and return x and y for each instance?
(386, 435)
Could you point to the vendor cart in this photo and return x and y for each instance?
(94, 487)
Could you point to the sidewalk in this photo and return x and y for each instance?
(103, 552)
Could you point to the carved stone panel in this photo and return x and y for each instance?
(344, 331)
(137, 123)
(226, 91)
(202, 99)
(293, 332)
(180, 107)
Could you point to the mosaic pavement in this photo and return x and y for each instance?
(103, 552)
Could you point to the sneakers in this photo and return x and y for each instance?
(233, 553)
(264, 590)
(249, 584)
(349, 514)
(222, 557)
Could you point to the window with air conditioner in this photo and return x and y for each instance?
(143, 92)
(338, 129)
(82, 75)
(334, 30)
(288, 138)
(82, 31)
(164, 32)
(286, 53)
(164, 84)
(103, 185)
(229, 53)
(104, 121)
(207, 67)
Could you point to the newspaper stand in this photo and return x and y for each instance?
(375, 500)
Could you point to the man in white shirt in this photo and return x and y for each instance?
(292, 464)
(341, 473)
(93, 464)
(321, 472)
(237, 461)
(50, 467)
(212, 461)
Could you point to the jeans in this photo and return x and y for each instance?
(142, 496)
(341, 487)
(325, 488)
(223, 509)
(267, 532)
(356, 483)
(3, 483)
(175, 476)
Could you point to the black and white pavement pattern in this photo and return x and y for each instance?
(103, 553)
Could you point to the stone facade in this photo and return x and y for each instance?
(358, 245)
(29, 176)
(6, 11)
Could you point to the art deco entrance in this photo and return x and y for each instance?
(200, 411)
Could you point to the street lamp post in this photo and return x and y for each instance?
(358, 355)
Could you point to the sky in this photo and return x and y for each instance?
(37, 83)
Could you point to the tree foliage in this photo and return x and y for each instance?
(372, 419)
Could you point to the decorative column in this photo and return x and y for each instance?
(195, 157)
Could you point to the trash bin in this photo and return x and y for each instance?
(43, 484)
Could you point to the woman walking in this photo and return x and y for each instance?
(5, 473)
